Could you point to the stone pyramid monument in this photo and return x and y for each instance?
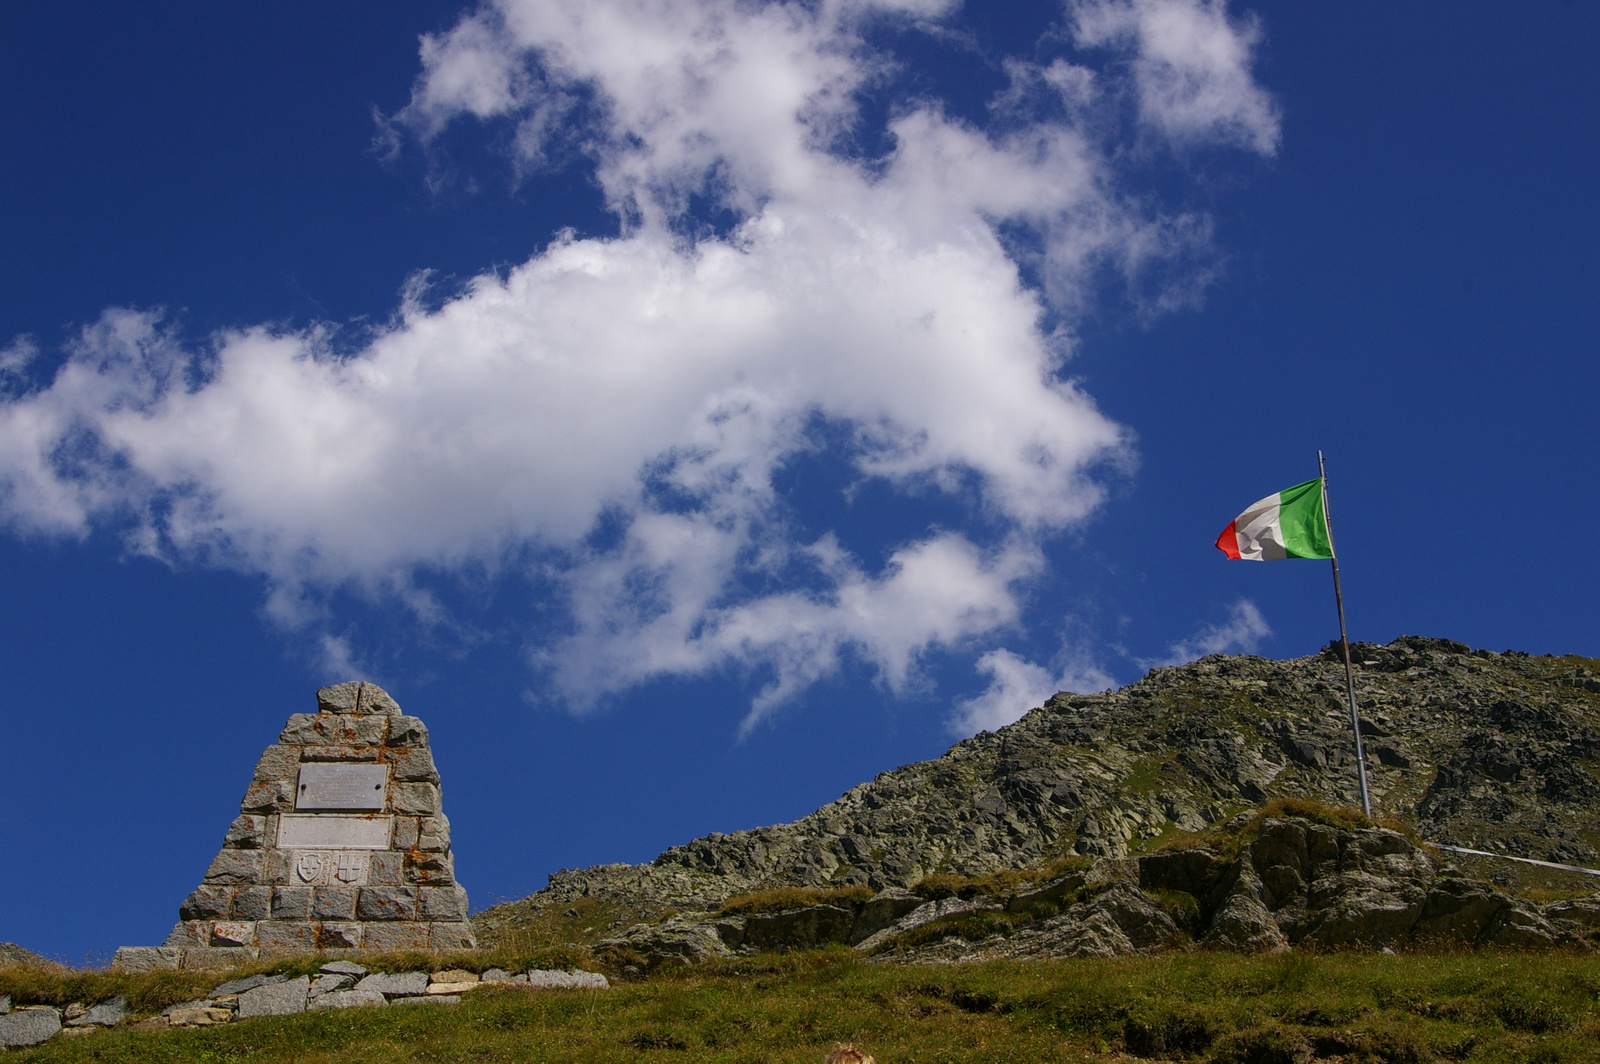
(340, 844)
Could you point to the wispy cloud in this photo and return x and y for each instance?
(1017, 685)
(1242, 632)
(653, 384)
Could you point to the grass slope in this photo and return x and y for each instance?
(1197, 1006)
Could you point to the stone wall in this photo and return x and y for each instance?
(341, 843)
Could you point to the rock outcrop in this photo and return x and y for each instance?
(1498, 751)
(1295, 881)
(341, 843)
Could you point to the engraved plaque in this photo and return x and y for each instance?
(340, 786)
(333, 831)
(331, 868)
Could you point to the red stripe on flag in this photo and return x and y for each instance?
(1228, 542)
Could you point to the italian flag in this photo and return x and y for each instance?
(1288, 524)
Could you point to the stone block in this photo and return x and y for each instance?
(241, 867)
(278, 763)
(451, 936)
(206, 1016)
(568, 980)
(344, 968)
(252, 903)
(429, 999)
(334, 903)
(407, 731)
(452, 975)
(453, 988)
(430, 868)
(407, 829)
(356, 697)
(348, 999)
(328, 982)
(281, 936)
(146, 959)
(395, 984)
(5, 1004)
(386, 870)
(233, 933)
(268, 796)
(279, 999)
(394, 937)
(313, 755)
(375, 699)
(327, 729)
(387, 903)
(291, 903)
(208, 903)
(28, 1027)
(434, 833)
(443, 903)
(276, 868)
(217, 959)
(339, 697)
(186, 933)
(247, 832)
(414, 799)
(339, 935)
(413, 764)
(106, 1014)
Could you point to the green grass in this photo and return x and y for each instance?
(1219, 1008)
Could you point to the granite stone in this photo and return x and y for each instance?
(278, 999)
(395, 984)
(28, 1027)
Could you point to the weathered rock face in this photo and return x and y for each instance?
(1297, 883)
(341, 843)
(1492, 751)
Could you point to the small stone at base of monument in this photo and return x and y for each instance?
(278, 999)
(344, 968)
(5, 1004)
(204, 1017)
(327, 984)
(429, 999)
(453, 975)
(569, 980)
(498, 975)
(28, 1027)
(396, 984)
(249, 982)
(347, 999)
(106, 1014)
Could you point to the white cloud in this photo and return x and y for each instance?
(1242, 632)
(651, 385)
(1017, 686)
(1192, 68)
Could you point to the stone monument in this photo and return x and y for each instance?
(340, 844)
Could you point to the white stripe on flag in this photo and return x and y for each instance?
(1260, 531)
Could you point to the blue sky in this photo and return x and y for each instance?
(691, 410)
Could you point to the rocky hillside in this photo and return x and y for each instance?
(1494, 751)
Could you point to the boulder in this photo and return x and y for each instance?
(396, 984)
(347, 999)
(275, 999)
(28, 1026)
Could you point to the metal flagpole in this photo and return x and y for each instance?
(1344, 638)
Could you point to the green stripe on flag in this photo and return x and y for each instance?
(1305, 528)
